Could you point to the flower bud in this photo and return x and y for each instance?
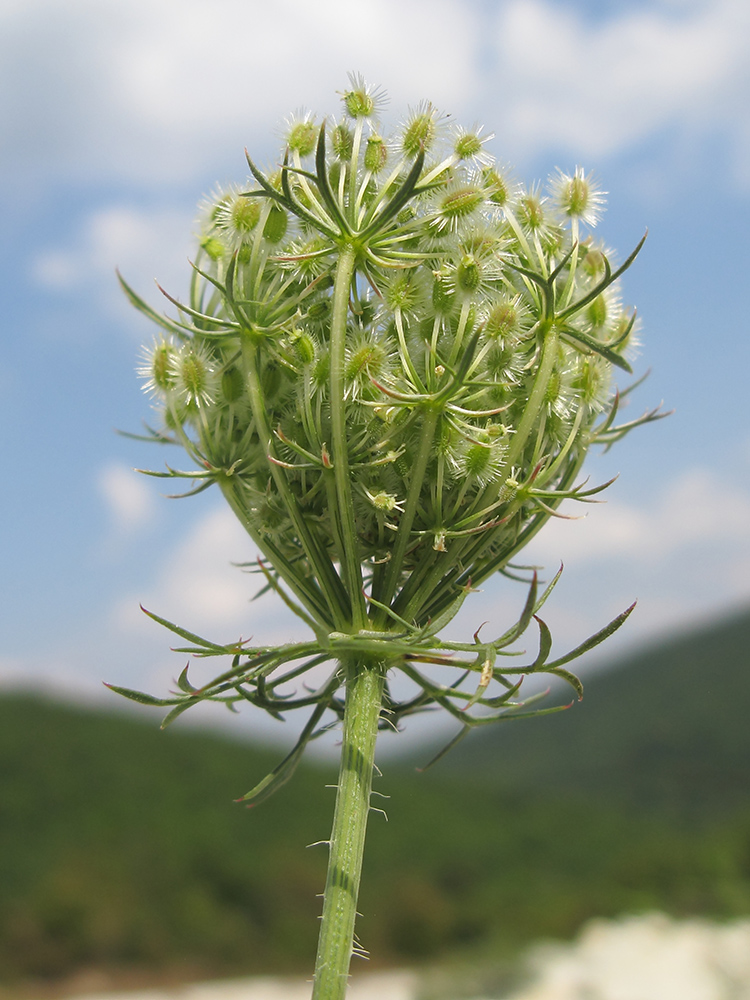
(276, 224)
(232, 384)
(157, 370)
(194, 375)
(214, 248)
(577, 196)
(383, 501)
(468, 274)
(420, 131)
(304, 348)
(530, 211)
(342, 141)
(496, 187)
(302, 137)
(504, 320)
(376, 154)
(458, 205)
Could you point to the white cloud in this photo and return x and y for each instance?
(199, 587)
(153, 89)
(685, 555)
(142, 244)
(163, 90)
(135, 240)
(596, 88)
(130, 501)
(697, 511)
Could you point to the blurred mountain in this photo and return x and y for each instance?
(123, 854)
(665, 728)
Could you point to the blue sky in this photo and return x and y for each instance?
(117, 117)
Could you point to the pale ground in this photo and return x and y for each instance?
(645, 958)
(636, 958)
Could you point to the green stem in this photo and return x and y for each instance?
(350, 556)
(324, 569)
(409, 602)
(406, 520)
(364, 694)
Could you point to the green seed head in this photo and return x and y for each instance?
(403, 293)
(443, 300)
(361, 101)
(157, 370)
(596, 312)
(593, 262)
(366, 361)
(576, 194)
(194, 375)
(321, 370)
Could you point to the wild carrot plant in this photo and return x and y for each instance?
(392, 363)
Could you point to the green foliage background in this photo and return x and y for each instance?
(121, 849)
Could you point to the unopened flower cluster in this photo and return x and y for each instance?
(393, 358)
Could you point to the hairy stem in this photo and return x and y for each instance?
(364, 694)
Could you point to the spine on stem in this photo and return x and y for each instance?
(364, 693)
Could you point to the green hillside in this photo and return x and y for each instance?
(121, 849)
(666, 729)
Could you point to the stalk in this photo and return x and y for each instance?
(350, 559)
(364, 692)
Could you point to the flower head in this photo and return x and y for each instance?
(421, 129)
(302, 134)
(578, 196)
(375, 347)
(193, 374)
(468, 146)
(156, 370)
(361, 100)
